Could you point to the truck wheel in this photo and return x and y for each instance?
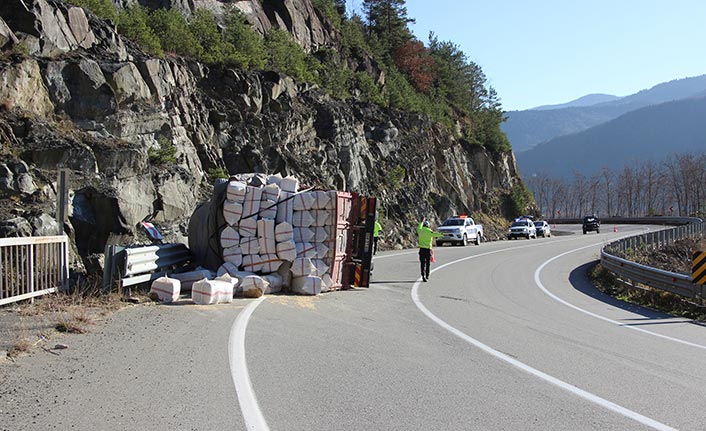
(478, 239)
(465, 240)
(584, 232)
(598, 231)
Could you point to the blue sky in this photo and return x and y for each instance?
(553, 51)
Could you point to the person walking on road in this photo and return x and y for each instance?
(426, 236)
(376, 235)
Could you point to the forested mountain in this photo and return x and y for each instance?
(525, 129)
(646, 134)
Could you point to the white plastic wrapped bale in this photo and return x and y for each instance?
(187, 279)
(304, 201)
(289, 184)
(322, 233)
(326, 283)
(232, 212)
(302, 234)
(247, 227)
(227, 268)
(274, 179)
(309, 285)
(236, 191)
(321, 217)
(166, 289)
(332, 200)
(233, 255)
(266, 236)
(253, 286)
(322, 250)
(321, 200)
(287, 250)
(275, 282)
(268, 209)
(251, 205)
(270, 193)
(302, 267)
(214, 291)
(250, 245)
(252, 262)
(321, 267)
(229, 237)
(306, 249)
(302, 219)
(269, 263)
(284, 232)
(285, 208)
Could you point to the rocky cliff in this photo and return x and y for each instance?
(74, 95)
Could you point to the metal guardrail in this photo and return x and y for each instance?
(136, 265)
(679, 284)
(32, 266)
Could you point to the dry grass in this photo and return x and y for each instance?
(23, 344)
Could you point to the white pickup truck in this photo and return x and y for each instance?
(460, 230)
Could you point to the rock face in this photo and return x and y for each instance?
(140, 134)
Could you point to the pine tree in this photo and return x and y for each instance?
(387, 21)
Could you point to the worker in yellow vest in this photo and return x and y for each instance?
(376, 235)
(426, 237)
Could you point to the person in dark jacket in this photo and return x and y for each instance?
(426, 237)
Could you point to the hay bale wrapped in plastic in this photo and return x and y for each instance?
(285, 208)
(304, 201)
(266, 236)
(308, 285)
(302, 218)
(326, 283)
(233, 255)
(274, 178)
(285, 271)
(269, 263)
(302, 234)
(321, 217)
(302, 266)
(247, 227)
(289, 184)
(306, 249)
(232, 212)
(275, 282)
(236, 191)
(251, 205)
(322, 250)
(284, 232)
(287, 250)
(218, 290)
(270, 192)
(252, 262)
(322, 233)
(229, 237)
(250, 245)
(253, 286)
(321, 200)
(268, 209)
(165, 289)
(321, 267)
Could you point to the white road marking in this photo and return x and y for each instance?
(598, 316)
(524, 367)
(254, 419)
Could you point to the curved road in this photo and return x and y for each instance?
(508, 335)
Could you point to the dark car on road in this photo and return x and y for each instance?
(591, 223)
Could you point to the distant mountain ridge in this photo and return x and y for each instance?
(525, 129)
(650, 133)
(588, 100)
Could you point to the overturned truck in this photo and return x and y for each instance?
(268, 235)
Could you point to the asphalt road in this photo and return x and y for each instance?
(505, 336)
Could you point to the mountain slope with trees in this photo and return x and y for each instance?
(525, 129)
(647, 134)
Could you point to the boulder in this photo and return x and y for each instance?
(7, 37)
(22, 87)
(15, 227)
(44, 225)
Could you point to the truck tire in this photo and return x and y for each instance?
(478, 239)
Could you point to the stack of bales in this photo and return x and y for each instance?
(273, 231)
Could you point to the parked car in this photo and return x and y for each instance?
(460, 230)
(543, 228)
(522, 228)
(591, 223)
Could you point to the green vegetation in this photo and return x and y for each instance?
(217, 173)
(520, 199)
(395, 177)
(435, 79)
(164, 154)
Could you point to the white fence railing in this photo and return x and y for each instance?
(32, 266)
